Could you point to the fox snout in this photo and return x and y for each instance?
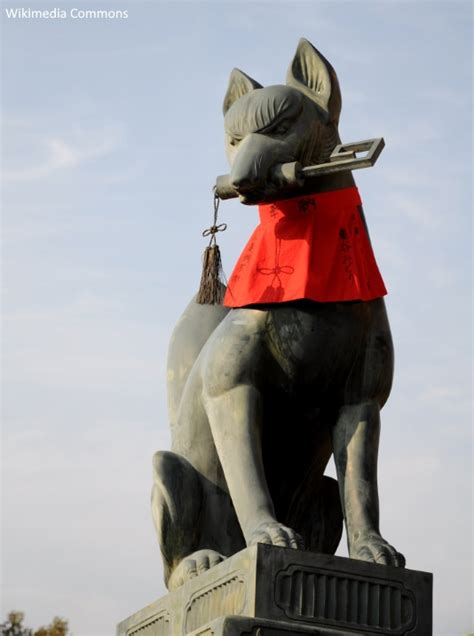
(266, 127)
(253, 162)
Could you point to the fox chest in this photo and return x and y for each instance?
(316, 344)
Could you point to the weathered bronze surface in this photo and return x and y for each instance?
(260, 398)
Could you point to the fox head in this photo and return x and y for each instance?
(280, 124)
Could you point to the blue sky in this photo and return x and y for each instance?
(112, 138)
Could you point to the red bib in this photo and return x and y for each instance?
(314, 247)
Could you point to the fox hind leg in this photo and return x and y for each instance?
(185, 509)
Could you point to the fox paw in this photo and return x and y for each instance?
(373, 547)
(193, 565)
(275, 533)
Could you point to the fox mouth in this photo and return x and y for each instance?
(269, 187)
(252, 196)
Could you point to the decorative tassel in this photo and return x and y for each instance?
(211, 289)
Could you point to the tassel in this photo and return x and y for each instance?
(211, 289)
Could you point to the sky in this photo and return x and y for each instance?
(111, 141)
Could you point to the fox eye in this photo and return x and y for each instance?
(233, 141)
(282, 127)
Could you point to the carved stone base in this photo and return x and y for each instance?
(242, 626)
(270, 591)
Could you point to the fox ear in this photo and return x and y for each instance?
(239, 84)
(312, 74)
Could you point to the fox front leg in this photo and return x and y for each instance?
(355, 443)
(231, 366)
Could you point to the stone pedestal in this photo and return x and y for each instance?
(270, 591)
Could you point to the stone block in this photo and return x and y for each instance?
(270, 591)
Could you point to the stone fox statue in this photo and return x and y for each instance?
(263, 390)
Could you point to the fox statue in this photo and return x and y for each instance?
(288, 371)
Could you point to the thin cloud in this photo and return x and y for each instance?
(53, 152)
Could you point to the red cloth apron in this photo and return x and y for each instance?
(314, 247)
